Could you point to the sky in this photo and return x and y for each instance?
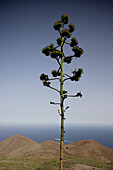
(26, 28)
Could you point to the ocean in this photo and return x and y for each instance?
(102, 133)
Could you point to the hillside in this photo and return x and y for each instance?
(18, 146)
(89, 149)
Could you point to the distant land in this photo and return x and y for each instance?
(20, 147)
(102, 133)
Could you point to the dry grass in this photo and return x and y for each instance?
(18, 152)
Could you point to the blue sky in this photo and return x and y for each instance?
(27, 27)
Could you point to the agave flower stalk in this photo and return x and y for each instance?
(57, 53)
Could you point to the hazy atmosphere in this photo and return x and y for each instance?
(26, 28)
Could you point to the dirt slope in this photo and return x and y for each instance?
(86, 167)
(89, 149)
(18, 146)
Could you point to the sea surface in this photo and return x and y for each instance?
(102, 133)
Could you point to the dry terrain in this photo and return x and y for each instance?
(19, 152)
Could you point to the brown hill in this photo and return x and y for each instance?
(17, 146)
(89, 149)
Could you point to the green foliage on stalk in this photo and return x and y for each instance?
(71, 28)
(74, 42)
(65, 19)
(57, 53)
(57, 25)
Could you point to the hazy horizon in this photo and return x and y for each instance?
(102, 133)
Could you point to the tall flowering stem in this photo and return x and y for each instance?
(57, 53)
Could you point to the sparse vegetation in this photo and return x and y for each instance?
(20, 164)
(26, 154)
(38, 164)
